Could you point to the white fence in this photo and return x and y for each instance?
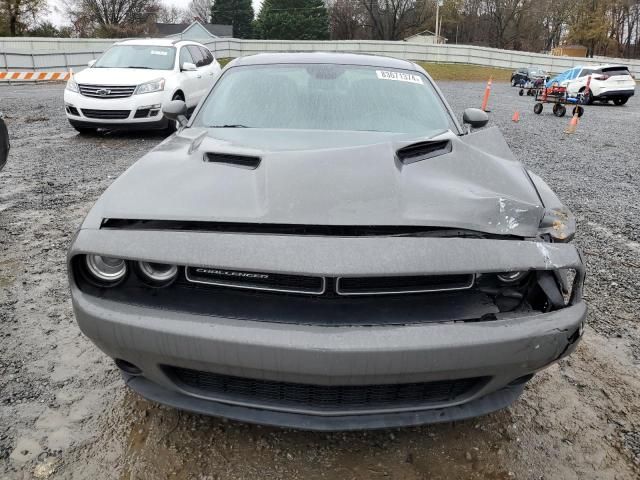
(67, 54)
(50, 44)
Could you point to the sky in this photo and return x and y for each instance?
(57, 16)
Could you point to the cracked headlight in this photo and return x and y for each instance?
(149, 87)
(72, 86)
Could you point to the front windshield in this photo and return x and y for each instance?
(324, 97)
(149, 57)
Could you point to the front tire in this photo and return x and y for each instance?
(172, 125)
(619, 101)
(85, 130)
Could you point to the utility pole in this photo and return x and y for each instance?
(437, 18)
(439, 3)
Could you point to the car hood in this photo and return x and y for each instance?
(327, 178)
(118, 76)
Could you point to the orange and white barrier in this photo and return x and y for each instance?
(35, 76)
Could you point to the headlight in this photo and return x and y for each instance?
(72, 86)
(153, 86)
(511, 277)
(157, 274)
(106, 270)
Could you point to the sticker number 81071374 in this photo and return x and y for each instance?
(399, 76)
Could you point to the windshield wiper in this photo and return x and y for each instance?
(227, 126)
(145, 68)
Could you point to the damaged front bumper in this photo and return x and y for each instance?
(501, 352)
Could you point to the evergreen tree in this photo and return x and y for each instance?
(238, 13)
(293, 20)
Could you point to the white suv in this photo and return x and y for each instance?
(608, 82)
(127, 86)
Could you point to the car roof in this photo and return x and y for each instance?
(598, 67)
(325, 57)
(158, 42)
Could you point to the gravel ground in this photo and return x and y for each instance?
(64, 412)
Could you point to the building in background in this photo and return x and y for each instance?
(195, 31)
(569, 51)
(426, 37)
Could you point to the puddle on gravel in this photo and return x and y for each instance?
(8, 272)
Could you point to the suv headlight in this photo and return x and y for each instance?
(72, 86)
(152, 86)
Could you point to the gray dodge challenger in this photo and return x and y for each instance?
(322, 245)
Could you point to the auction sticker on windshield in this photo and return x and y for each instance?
(399, 76)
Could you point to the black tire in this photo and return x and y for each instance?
(521, 92)
(559, 110)
(85, 130)
(172, 125)
(4, 143)
(577, 109)
(537, 108)
(619, 101)
(587, 96)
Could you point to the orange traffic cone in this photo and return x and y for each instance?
(487, 92)
(573, 124)
(516, 117)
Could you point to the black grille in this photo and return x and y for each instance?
(106, 114)
(107, 91)
(256, 280)
(322, 397)
(402, 284)
(141, 113)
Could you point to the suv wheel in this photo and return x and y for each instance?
(85, 130)
(587, 96)
(173, 125)
(619, 101)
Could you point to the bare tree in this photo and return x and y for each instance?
(200, 9)
(173, 14)
(347, 20)
(115, 18)
(391, 19)
(17, 15)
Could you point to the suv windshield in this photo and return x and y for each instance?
(138, 56)
(325, 97)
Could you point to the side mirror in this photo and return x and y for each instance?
(475, 117)
(176, 110)
(91, 63)
(189, 67)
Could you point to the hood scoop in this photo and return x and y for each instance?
(423, 150)
(243, 161)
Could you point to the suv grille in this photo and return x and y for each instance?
(323, 397)
(106, 114)
(107, 91)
